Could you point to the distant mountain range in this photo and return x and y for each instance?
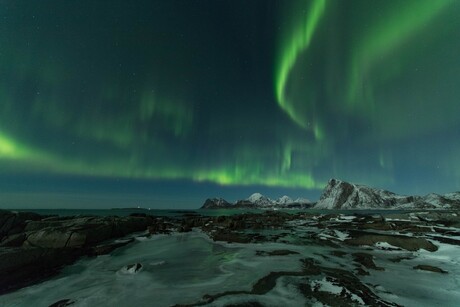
(343, 195)
(258, 201)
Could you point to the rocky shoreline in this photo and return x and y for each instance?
(34, 248)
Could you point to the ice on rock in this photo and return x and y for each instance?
(131, 268)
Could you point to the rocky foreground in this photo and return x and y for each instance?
(357, 238)
(34, 247)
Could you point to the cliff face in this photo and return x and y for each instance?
(343, 195)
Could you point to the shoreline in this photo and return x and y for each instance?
(60, 241)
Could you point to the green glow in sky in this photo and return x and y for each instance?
(300, 38)
(281, 94)
(380, 41)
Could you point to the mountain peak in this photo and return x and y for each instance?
(212, 203)
(260, 200)
(284, 200)
(255, 197)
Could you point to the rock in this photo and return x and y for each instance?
(159, 227)
(404, 242)
(63, 303)
(230, 237)
(137, 214)
(20, 267)
(44, 245)
(49, 238)
(94, 232)
(29, 216)
(132, 268)
(130, 224)
(104, 249)
(430, 268)
(278, 252)
(38, 225)
(10, 223)
(184, 229)
(366, 260)
(13, 240)
(338, 253)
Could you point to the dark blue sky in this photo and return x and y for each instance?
(166, 103)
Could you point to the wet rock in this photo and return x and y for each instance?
(63, 303)
(268, 282)
(360, 271)
(429, 268)
(338, 253)
(404, 242)
(446, 240)
(366, 260)
(400, 258)
(310, 266)
(278, 252)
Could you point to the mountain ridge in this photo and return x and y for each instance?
(340, 195)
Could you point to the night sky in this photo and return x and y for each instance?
(165, 103)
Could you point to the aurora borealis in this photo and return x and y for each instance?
(192, 99)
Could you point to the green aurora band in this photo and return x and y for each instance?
(300, 39)
(359, 86)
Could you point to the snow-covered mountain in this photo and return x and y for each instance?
(213, 203)
(284, 200)
(259, 201)
(343, 195)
